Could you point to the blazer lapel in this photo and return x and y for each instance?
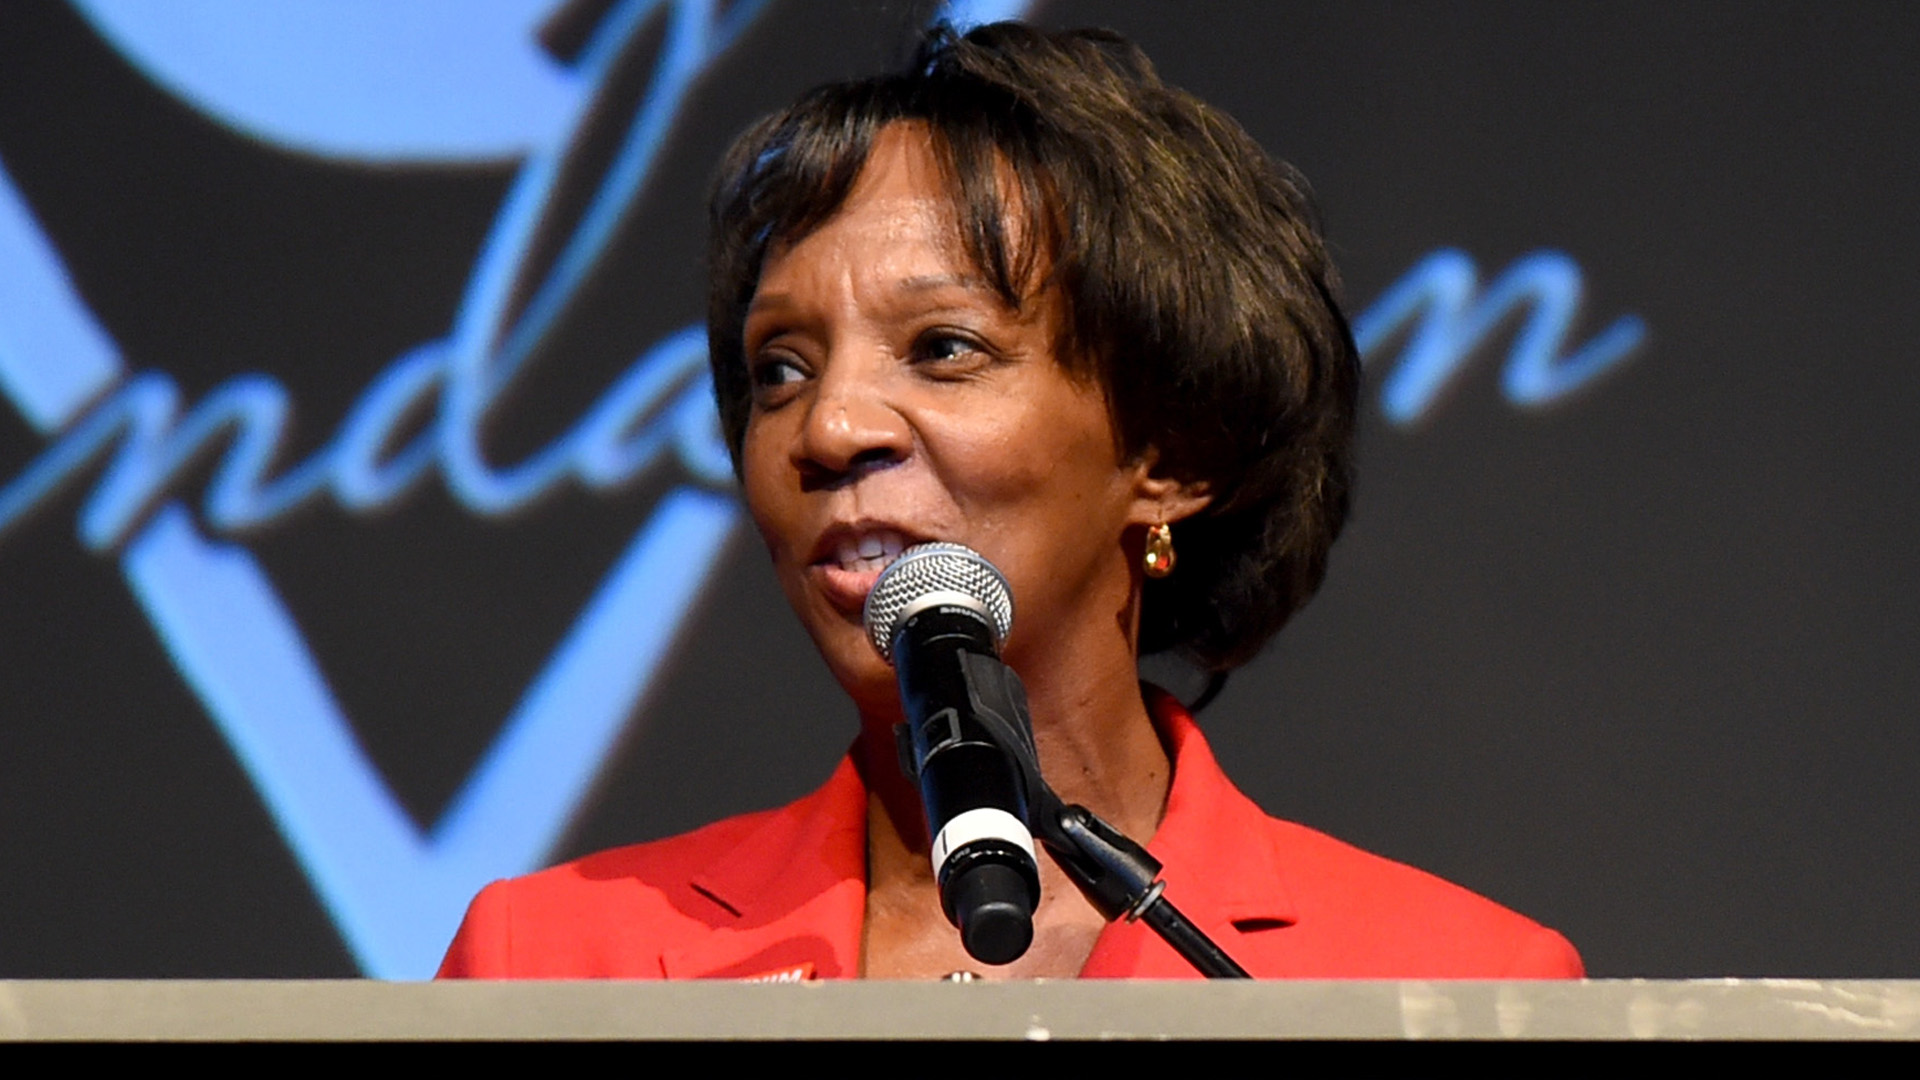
(796, 888)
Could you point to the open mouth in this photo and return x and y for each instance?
(870, 551)
(848, 562)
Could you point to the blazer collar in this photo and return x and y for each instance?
(1220, 865)
(795, 885)
(1218, 860)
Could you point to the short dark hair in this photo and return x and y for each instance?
(1198, 290)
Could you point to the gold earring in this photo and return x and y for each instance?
(1159, 558)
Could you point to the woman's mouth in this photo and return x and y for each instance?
(853, 562)
(870, 551)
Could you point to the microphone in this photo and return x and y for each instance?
(938, 614)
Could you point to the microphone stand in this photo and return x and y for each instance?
(1122, 880)
(1117, 873)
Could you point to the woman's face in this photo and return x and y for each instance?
(897, 399)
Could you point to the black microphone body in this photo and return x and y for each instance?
(937, 619)
(989, 882)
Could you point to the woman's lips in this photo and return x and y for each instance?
(852, 562)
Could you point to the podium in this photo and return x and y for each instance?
(352, 1011)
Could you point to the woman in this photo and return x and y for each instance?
(1024, 297)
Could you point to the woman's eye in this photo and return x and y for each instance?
(948, 348)
(770, 373)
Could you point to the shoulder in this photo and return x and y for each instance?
(1387, 919)
(761, 893)
(606, 915)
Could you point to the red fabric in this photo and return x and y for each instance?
(784, 891)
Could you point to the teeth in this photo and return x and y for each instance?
(871, 551)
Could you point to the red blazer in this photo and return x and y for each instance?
(781, 894)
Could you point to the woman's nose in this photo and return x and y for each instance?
(851, 428)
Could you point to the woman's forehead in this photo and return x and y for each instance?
(906, 204)
(901, 190)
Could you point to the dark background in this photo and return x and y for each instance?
(1636, 664)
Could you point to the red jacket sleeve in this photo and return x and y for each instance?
(1546, 955)
(483, 948)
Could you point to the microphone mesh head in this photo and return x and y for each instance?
(927, 569)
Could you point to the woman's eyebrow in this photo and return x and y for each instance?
(768, 301)
(931, 282)
(915, 284)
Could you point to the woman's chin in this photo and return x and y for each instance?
(832, 620)
(868, 681)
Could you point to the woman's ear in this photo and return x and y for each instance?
(1159, 499)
